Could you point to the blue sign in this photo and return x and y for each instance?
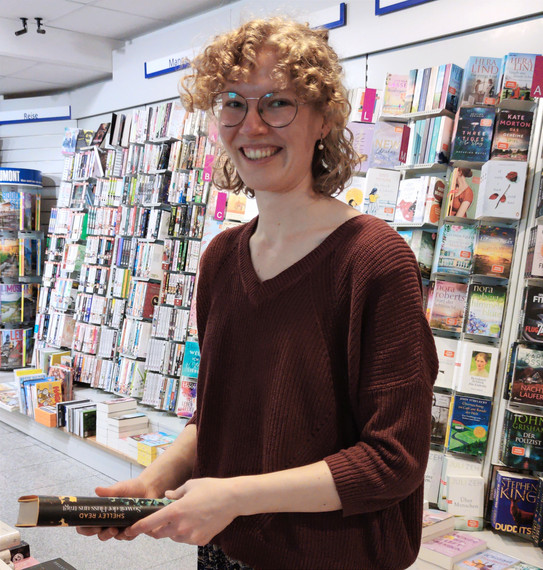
(387, 6)
(20, 176)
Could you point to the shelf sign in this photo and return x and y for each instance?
(20, 176)
(537, 80)
(36, 115)
(329, 18)
(386, 6)
(167, 64)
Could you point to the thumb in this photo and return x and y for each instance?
(176, 494)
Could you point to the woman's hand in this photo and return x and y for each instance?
(129, 488)
(203, 508)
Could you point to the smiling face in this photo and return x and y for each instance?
(271, 158)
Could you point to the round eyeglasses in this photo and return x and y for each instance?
(275, 109)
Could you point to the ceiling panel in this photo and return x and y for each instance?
(59, 75)
(10, 65)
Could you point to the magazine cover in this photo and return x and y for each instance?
(11, 303)
(9, 209)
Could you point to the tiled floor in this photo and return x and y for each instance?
(29, 467)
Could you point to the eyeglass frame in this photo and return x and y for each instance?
(216, 93)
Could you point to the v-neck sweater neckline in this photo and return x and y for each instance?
(258, 290)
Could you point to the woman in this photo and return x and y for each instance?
(481, 361)
(311, 437)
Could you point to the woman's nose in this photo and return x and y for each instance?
(253, 123)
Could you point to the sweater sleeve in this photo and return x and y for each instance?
(392, 368)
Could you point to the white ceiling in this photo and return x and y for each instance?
(80, 37)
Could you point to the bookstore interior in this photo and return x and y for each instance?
(101, 242)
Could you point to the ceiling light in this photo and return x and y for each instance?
(40, 30)
(24, 30)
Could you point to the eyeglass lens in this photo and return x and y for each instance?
(275, 109)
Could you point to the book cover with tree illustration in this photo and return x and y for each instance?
(468, 425)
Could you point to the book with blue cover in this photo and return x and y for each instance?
(468, 425)
(454, 249)
(472, 136)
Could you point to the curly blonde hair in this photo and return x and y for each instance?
(305, 59)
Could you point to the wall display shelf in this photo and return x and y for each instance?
(20, 263)
(123, 250)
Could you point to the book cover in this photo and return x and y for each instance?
(450, 548)
(47, 393)
(493, 252)
(518, 73)
(487, 560)
(362, 142)
(423, 243)
(501, 191)
(476, 369)
(463, 192)
(454, 249)
(354, 194)
(434, 200)
(466, 500)
(49, 510)
(534, 254)
(9, 399)
(512, 133)
(531, 320)
(440, 415)
(522, 440)
(455, 464)
(513, 502)
(411, 201)
(446, 305)
(480, 82)
(452, 87)
(485, 309)
(432, 476)
(537, 525)
(381, 193)
(527, 376)
(386, 144)
(447, 354)
(472, 135)
(69, 141)
(394, 94)
(436, 523)
(468, 425)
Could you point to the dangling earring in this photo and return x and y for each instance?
(321, 145)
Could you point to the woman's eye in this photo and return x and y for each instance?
(232, 104)
(277, 103)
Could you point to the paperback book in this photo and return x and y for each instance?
(512, 132)
(531, 318)
(446, 305)
(468, 425)
(522, 440)
(466, 501)
(445, 551)
(463, 192)
(459, 465)
(501, 191)
(517, 76)
(513, 502)
(48, 510)
(493, 253)
(527, 376)
(488, 559)
(389, 143)
(381, 193)
(436, 523)
(485, 310)
(534, 254)
(481, 80)
(447, 354)
(394, 94)
(362, 141)
(440, 414)
(454, 249)
(476, 369)
(411, 201)
(432, 476)
(472, 134)
(434, 200)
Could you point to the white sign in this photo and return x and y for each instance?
(34, 115)
(167, 64)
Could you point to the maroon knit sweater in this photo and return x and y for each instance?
(331, 359)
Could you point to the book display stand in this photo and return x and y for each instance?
(124, 244)
(20, 263)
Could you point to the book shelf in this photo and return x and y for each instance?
(20, 263)
(123, 250)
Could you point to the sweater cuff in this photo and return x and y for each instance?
(342, 473)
